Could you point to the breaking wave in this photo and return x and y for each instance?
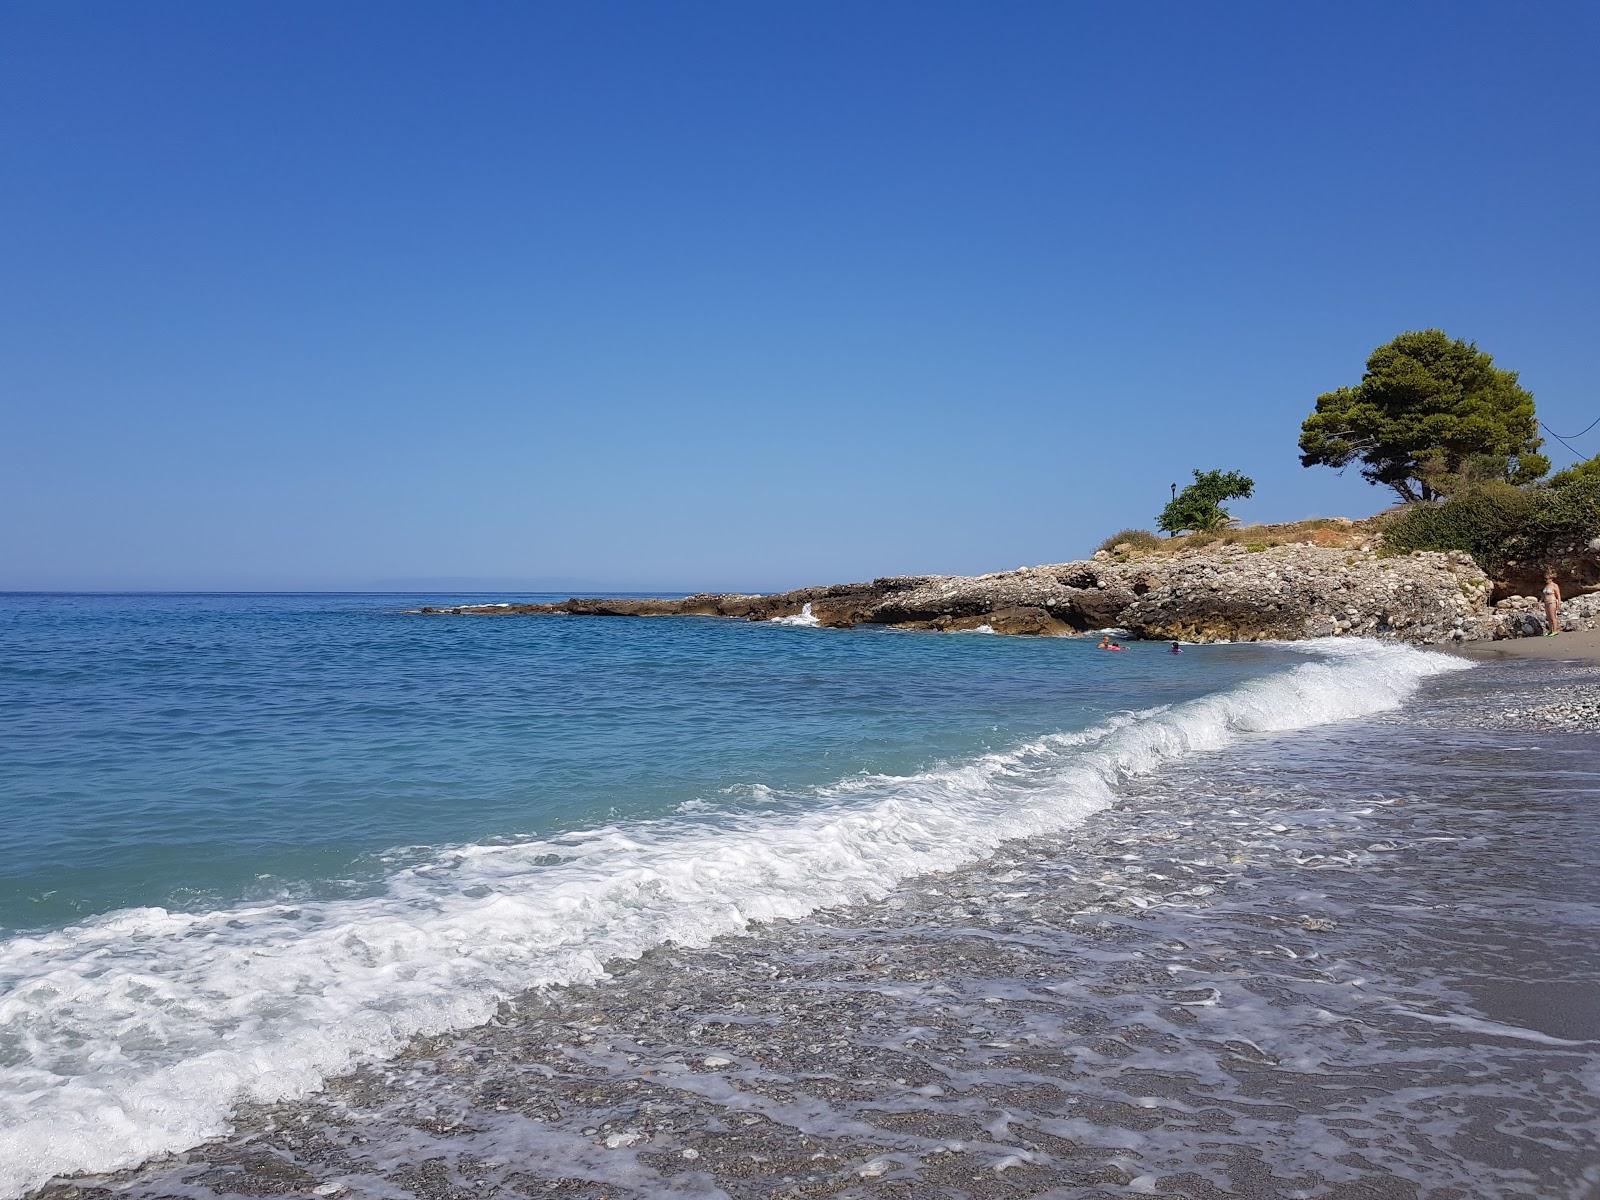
(136, 1034)
(803, 617)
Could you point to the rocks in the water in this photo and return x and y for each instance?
(1226, 592)
(1017, 619)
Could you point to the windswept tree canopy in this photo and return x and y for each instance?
(1199, 506)
(1430, 410)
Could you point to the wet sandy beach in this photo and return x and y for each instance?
(1580, 646)
(1362, 961)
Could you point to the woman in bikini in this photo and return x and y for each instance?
(1552, 604)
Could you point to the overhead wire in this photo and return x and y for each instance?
(1565, 442)
(1573, 436)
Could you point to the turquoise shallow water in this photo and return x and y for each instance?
(191, 751)
(257, 841)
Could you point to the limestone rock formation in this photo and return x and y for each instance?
(1226, 593)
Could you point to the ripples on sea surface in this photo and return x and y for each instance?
(265, 840)
(194, 751)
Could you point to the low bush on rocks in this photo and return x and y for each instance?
(1327, 532)
(1135, 539)
(1498, 523)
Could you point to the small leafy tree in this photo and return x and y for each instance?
(1199, 506)
(1430, 414)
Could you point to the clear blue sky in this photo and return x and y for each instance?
(606, 295)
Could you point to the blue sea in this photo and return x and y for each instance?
(255, 841)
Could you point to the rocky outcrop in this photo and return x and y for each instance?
(1307, 591)
(1216, 593)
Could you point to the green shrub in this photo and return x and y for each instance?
(1588, 469)
(1565, 518)
(1498, 523)
(1139, 539)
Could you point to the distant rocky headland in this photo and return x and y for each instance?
(1334, 580)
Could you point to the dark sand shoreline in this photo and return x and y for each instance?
(1352, 962)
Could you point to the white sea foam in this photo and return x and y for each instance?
(136, 1033)
(803, 617)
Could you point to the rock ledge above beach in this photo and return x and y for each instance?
(1227, 593)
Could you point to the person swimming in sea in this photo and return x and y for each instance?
(1552, 603)
(1176, 649)
(1106, 643)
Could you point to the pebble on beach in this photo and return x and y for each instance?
(1581, 714)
